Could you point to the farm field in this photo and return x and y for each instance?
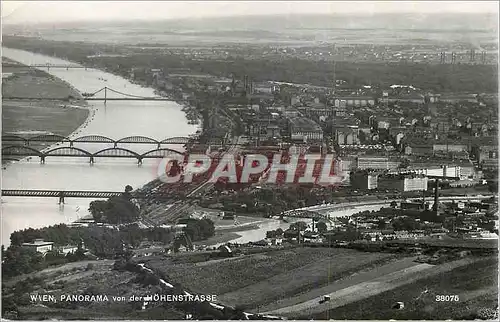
(258, 279)
(475, 284)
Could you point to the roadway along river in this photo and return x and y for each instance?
(118, 119)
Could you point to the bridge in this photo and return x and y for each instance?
(54, 138)
(61, 194)
(48, 66)
(304, 213)
(91, 97)
(25, 151)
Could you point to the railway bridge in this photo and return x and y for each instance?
(100, 139)
(61, 194)
(21, 151)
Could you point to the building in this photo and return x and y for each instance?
(376, 162)
(357, 101)
(347, 135)
(39, 245)
(363, 180)
(68, 249)
(434, 170)
(419, 149)
(305, 129)
(402, 183)
(458, 97)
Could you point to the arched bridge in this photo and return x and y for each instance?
(54, 138)
(26, 151)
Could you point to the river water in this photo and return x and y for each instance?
(116, 119)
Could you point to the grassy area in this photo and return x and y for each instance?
(304, 279)
(38, 116)
(475, 284)
(274, 273)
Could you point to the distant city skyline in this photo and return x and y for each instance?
(32, 12)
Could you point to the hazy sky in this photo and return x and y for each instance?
(59, 11)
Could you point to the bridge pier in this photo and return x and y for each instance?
(116, 144)
(61, 199)
(139, 161)
(91, 161)
(42, 159)
(71, 143)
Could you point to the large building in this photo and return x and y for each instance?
(402, 183)
(39, 245)
(376, 163)
(305, 129)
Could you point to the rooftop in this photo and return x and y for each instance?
(38, 242)
(304, 124)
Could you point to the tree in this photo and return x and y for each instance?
(405, 223)
(298, 226)
(322, 227)
(381, 224)
(97, 208)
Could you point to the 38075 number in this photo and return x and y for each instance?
(447, 298)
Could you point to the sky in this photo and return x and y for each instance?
(31, 12)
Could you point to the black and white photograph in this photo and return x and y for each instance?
(249, 160)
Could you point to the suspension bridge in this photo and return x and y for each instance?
(92, 97)
(100, 139)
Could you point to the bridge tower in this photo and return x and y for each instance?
(105, 94)
(61, 197)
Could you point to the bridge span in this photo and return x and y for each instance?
(92, 97)
(22, 151)
(137, 139)
(61, 194)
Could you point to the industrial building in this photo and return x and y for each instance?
(402, 183)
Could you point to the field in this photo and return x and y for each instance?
(258, 279)
(475, 284)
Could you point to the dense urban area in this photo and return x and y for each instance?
(413, 130)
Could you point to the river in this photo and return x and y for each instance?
(116, 119)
